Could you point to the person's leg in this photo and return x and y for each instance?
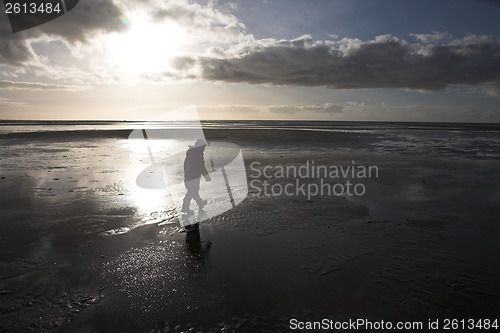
(187, 199)
(201, 203)
(196, 195)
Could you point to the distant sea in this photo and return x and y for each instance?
(24, 126)
(455, 140)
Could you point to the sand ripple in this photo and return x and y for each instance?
(265, 215)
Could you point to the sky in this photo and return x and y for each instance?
(350, 60)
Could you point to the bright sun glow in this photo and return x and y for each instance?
(146, 48)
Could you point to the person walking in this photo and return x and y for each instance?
(194, 168)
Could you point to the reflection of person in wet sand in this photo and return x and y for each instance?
(194, 168)
(198, 252)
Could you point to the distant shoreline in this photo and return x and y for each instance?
(118, 128)
(114, 121)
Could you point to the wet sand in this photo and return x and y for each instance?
(81, 251)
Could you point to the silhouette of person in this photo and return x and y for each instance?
(194, 168)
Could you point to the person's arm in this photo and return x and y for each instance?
(204, 171)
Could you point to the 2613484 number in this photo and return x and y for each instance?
(32, 8)
(470, 324)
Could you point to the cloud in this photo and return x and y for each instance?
(434, 37)
(197, 17)
(14, 51)
(325, 108)
(12, 85)
(183, 63)
(385, 62)
(87, 19)
(491, 89)
(318, 109)
(87, 43)
(214, 46)
(6, 102)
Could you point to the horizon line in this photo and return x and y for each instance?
(245, 120)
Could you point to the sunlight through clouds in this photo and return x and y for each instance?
(111, 54)
(145, 48)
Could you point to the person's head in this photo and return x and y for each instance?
(200, 143)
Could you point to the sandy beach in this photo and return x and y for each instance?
(82, 251)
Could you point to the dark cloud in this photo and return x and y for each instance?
(183, 63)
(86, 19)
(14, 49)
(386, 62)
